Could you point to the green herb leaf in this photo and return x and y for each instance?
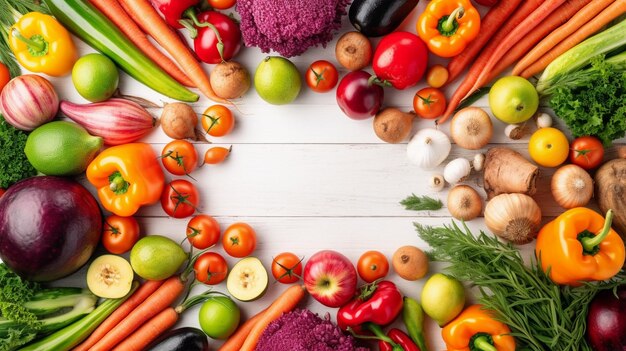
(14, 165)
(542, 316)
(421, 203)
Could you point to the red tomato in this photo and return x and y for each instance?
(429, 103)
(287, 268)
(221, 4)
(216, 155)
(372, 265)
(218, 120)
(207, 43)
(5, 76)
(203, 231)
(180, 198)
(239, 240)
(400, 59)
(120, 234)
(179, 157)
(321, 76)
(586, 152)
(211, 268)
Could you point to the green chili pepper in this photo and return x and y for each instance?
(413, 316)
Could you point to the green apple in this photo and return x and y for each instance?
(277, 80)
(443, 298)
(219, 317)
(513, 99)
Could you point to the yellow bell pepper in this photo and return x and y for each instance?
(579, 245)
(127, 177)
(475, 329)
(448, 26)
(41, 44)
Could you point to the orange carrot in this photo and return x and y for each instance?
(529, 23)
(554, 38)
(159, 300)
(523, 11)
(148, 19)
(556, 19)
(117, 15)
(285, 303)
(235, 341)
(149, 331)
(145, 290)
(610, 13)
(489, 26)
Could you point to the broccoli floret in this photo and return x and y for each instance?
(14, 165)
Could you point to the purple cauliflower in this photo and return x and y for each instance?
(303, 330)
(289, 27)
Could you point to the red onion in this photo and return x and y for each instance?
(117, 121)
(28, 101)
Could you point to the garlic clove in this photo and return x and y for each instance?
(437, 182)
(543, 120)
(457, 170)
(479, 162)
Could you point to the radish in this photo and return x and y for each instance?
(117, 121)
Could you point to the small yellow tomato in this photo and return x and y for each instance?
(548, 147)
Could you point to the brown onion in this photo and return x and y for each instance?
(572, 186)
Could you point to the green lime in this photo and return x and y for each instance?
(277, 80)
(156, 257)
(61, 148)
(95, 77)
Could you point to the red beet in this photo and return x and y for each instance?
(606, 321)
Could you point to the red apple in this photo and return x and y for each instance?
(330, 278)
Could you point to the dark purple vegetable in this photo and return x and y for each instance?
(606, 321)
(49, 227)
(181, 339)
(375, 18)
(359, 96)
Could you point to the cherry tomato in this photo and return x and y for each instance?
(213, 49)
(437, 76)
(372, 265)
(120, 234)
(180, 198)
(321, 76)
(400, 59)
(179, 157)
(218, 120)
(239, 240)
(586, 152)
(287, 268)
(357, 97)
(216, 155)
(5, 76)
(211, 268)
(221, 4)
(429, 103)
(203, 231)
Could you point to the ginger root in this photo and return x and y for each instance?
(506, 171)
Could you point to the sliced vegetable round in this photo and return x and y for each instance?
(120, 234)
(239, 240)
(110, 276)
(248, 279)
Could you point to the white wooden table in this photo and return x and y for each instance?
(308, 178)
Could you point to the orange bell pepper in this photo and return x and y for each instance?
(579, 245)
(475, 329)
(127, 177)
(447, 26)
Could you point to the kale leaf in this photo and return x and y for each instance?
(14, 165)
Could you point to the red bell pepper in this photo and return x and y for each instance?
(401, 339)
(379, 303)
(173, 10)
